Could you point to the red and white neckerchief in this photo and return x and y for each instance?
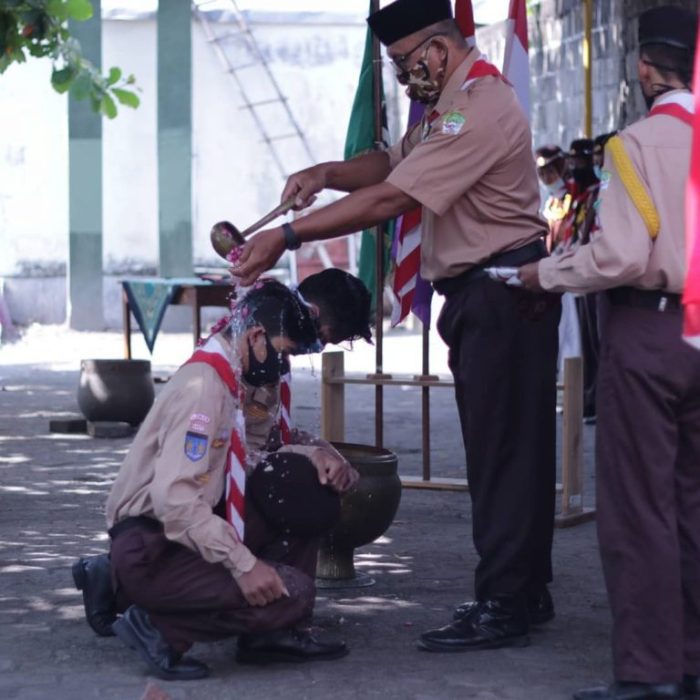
(213, 354)
(285, 421)
(409, 229)
(676, 104)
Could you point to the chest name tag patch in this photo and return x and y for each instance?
(195, 446)
(452, 123)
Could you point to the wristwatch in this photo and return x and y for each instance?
(291, 240)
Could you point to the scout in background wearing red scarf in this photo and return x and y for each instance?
(648, 434)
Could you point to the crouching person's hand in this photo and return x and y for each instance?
(261, 585)
(333, 469)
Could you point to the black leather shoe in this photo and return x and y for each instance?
(135, 629)
(288, 645)
(691, 685)
(540, 608)
(633, 691)
(501, 622)
(93, 576)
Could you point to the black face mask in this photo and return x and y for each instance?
(267, 372)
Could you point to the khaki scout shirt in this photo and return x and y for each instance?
(477, 183)
(623, 254)
(160, 481)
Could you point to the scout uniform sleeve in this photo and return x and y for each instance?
(461, 147)
(619, 253)
(184, 464)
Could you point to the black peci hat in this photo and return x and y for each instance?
(581, 148)
(405, 17)
(669, 25)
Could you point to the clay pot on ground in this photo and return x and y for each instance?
(366, 513)
(115, 390)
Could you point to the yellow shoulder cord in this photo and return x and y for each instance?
(636, 189)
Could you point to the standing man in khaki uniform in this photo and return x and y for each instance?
(648, 435)
(468, 164)
(187, 573)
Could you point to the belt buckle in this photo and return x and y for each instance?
(663, 303)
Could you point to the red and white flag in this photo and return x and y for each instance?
(691, 294)
(516, 65)
(464, 14)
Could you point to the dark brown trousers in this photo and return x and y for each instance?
(503, 355)
(190, 600)
(648, 493)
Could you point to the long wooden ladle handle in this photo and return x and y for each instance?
(279, 210)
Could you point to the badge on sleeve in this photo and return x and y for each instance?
(195, 446)
(452, 123)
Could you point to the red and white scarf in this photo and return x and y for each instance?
(676, 104)
(213, 354)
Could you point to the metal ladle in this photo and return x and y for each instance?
(225, 236)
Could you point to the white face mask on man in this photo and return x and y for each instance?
(556, 187)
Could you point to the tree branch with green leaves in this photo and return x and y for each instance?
(39, 28)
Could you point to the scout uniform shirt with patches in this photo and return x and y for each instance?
(174, 471)
(473, 171)
(624, 253)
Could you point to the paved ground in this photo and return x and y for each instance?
(52, 493)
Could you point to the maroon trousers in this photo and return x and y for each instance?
(648, 493)
(191, 600)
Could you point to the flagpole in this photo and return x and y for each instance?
(587, 66)
(379, 241)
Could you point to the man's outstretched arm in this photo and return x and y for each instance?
(361, 209)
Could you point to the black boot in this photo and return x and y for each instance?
(633, 691)
(540, 607)
(93, 576)
(288, 645)
(500, 622)
(135, 629)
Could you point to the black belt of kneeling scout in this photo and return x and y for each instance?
(510, 258)
(139, 521)
(655, 299)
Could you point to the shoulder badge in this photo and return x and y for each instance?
(195, 446)
(452, 123)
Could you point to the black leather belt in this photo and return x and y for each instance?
(137, 521)
(510, 258)
(655, 299)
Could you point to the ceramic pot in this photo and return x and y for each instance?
(115, 390)
(366, 513)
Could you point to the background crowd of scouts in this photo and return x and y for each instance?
(573, 180)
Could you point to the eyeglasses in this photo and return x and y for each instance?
(399, 62)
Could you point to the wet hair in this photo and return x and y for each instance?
(669, 61)
(280, 312)
(343, 302)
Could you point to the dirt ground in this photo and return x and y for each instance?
(52, 493)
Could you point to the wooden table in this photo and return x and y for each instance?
(193, 295)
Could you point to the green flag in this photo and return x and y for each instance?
(360, 139)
